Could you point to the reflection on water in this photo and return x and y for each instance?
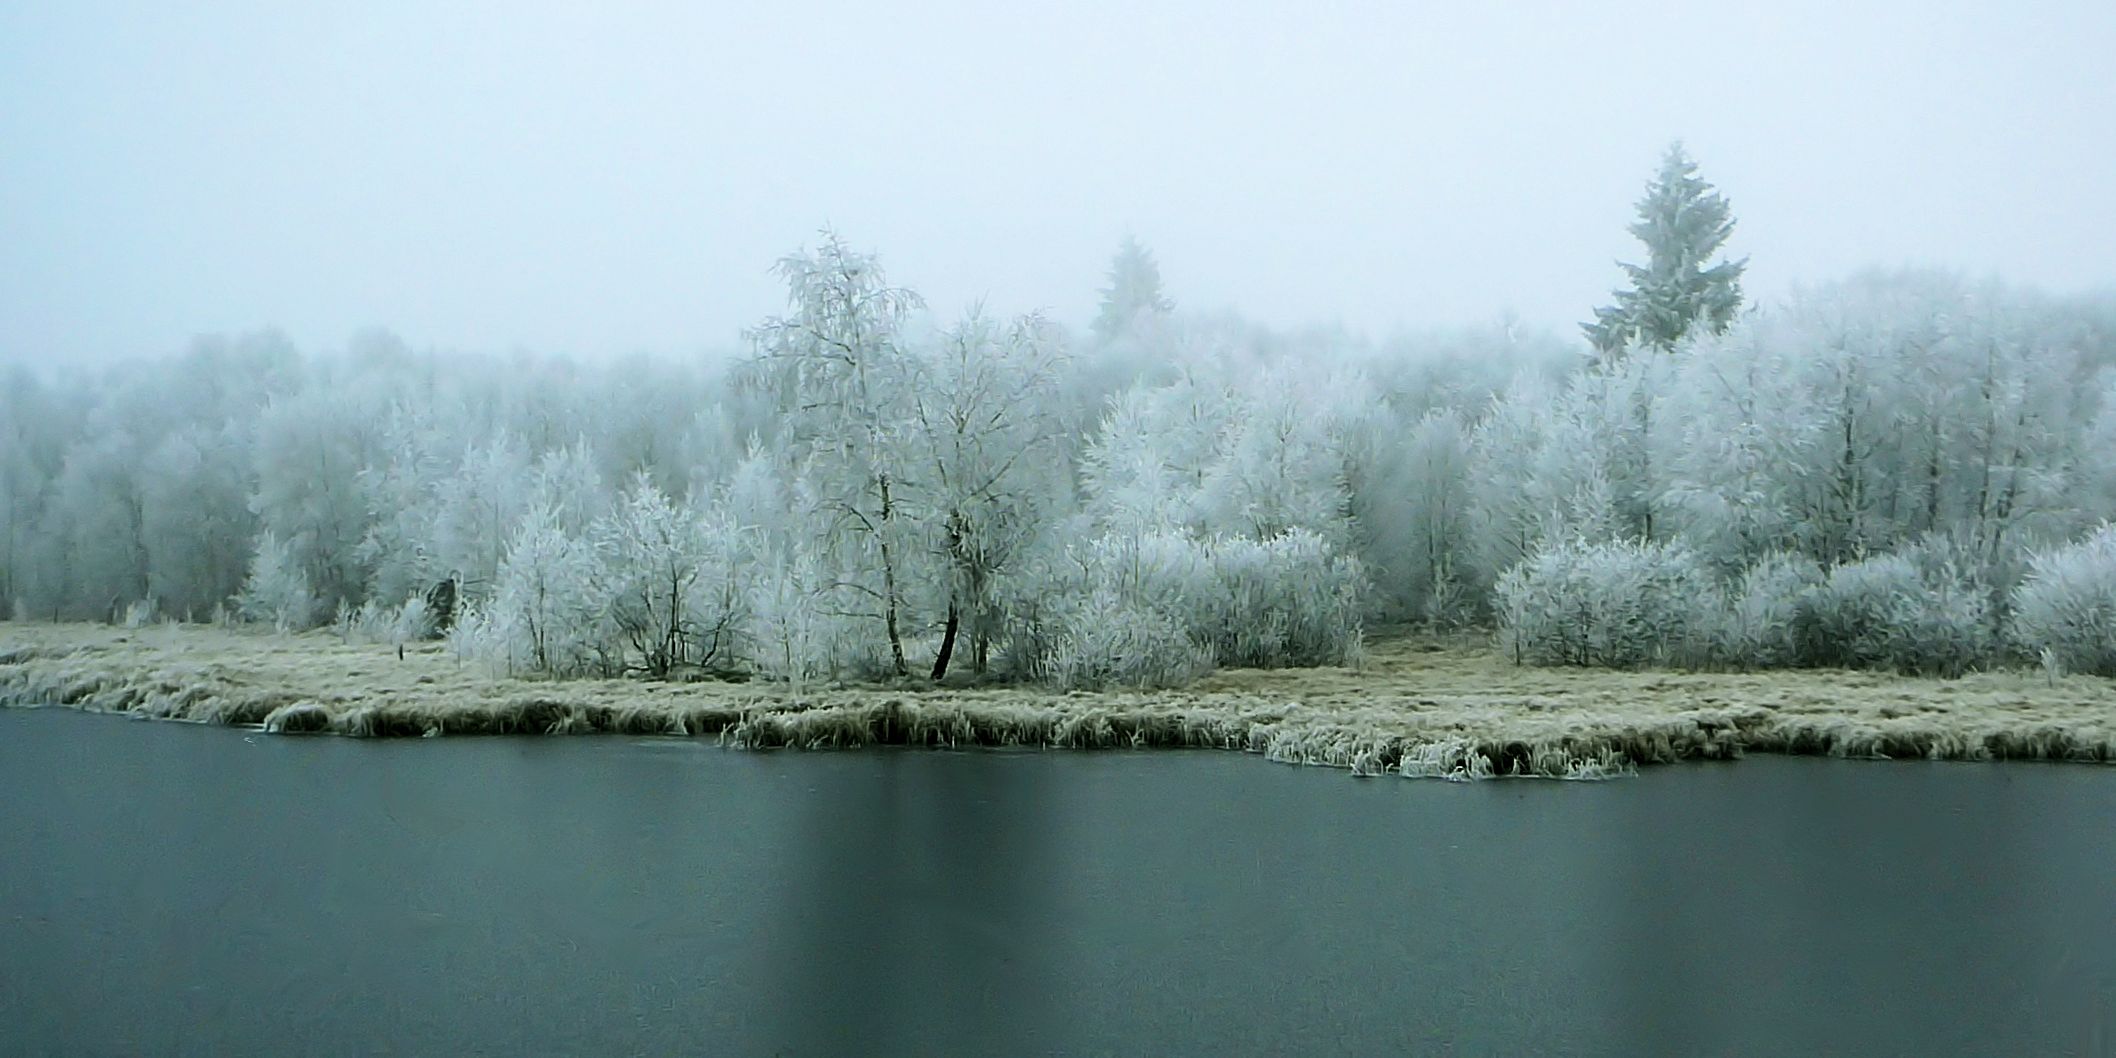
(169, 889)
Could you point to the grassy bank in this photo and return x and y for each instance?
(1415, 708)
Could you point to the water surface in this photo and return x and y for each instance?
(175, 889)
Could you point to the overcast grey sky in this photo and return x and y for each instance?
(588, 179)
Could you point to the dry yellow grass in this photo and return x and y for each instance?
(1416, 707)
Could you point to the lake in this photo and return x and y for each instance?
(170, 889)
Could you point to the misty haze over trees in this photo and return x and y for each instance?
(1901, 470)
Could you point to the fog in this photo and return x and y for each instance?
(593, 183)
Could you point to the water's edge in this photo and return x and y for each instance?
(1419, 714)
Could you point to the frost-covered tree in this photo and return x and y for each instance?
(569, 488)
(1542, 464)
(1147, 464)
(1737, 416)
(1133, 299)
(309, 451)
(277, 589)
(1286, 454)
(195, 519)
(95, 518)
(1434, 519)
(2098, 476)
(1683, 222)
(2065, 610)
(670, 579)
(475, 508)
(548, 613)
(30, 440)
(399, 488)
(990, 463)
(839, 362)
(1256, 456)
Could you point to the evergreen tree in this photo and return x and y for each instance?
(1683, 221)
(1134, 292)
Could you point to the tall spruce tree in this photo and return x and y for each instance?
(1133, 294)
(1683, 221)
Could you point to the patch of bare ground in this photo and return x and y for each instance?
(1415, 707)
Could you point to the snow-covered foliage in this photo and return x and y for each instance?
(1617, 604)
(1108, 640)
(1762, 623)
(1682, 221)
(2065, 609)
(1892, 471)
(549, 613)
(1916, 611)
(1291, 600)
(277, 590)
(1257, 454)
(669, 582)
(1625, 604)
(846, 378)
(1133, 301)
(793, 638)
(1178, 604)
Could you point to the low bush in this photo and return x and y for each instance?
(1156, 608)
(1106, 640)
(1920, 611)
(1288, 601)
(2066, 606)
(1759, 627)
(1618, 604)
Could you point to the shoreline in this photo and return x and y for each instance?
(1416, 708)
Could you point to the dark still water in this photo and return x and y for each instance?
(169, 889)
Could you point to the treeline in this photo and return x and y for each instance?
(1900, 470)
(867, 492)
(1886, 471)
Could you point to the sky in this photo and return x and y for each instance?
(599, 179)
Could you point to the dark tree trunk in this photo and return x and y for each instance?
(947, 640)
(889, 596)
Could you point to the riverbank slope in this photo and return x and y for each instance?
(1416, 707)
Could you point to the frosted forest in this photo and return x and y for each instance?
(1903, 471)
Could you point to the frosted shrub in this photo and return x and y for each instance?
(2066, 608)
(547, 615)
(1758, 628)
(1233, 615)
(414, 621)
(1449, 603)
(1916, 612)
(277, 591)
(1843, 622)
(369, 623)
(792, 638)
(671, 583)
(1106, 640)
(1944, 628)
(1292, 600)
(140, 614)
(1031, 604)
(1160, 570)
(1619, 604)
(475, 636)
